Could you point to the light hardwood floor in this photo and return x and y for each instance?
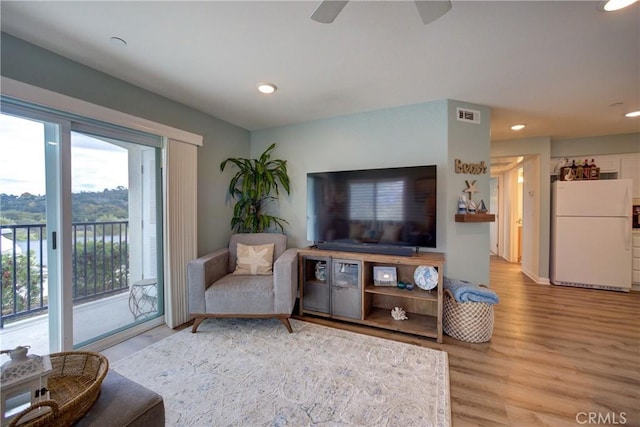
(557, 356)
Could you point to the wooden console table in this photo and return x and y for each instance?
(347, 291)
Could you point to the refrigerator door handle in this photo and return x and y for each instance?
(627, 196)
(628, 235)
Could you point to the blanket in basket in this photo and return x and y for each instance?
(464, 291)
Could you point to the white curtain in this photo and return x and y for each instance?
(181, 233)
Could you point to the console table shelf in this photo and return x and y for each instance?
(348, 292)
(478, 217)
(402, 293)
(417, 324)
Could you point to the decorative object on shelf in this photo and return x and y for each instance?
(399, 314)
(471, 207)
(481, 208)
(24, 383)
(321, 271)
(384, 276)
(567, 174)
(471, 188)
(462, 205)
(562, 163)
(409, 286)
(401, 285)
(426, 277)
(585, 171)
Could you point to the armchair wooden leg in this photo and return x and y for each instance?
(285, 322)
(196, 323)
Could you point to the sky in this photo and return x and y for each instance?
(95, 164)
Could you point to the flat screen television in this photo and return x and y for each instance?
(391, 210)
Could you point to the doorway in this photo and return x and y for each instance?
(506, 190)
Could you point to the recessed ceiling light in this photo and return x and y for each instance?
(118, 41)
(633, 114)
(267, 88)
(518, 127)
(612, 5)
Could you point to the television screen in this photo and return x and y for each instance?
(390, 207)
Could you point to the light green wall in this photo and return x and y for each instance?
(468, 243)
(404, 136)
(30, 64)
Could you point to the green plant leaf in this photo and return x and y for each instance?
(256, 184)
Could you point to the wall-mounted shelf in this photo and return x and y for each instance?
(478, 217)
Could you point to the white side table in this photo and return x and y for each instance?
(143, 297)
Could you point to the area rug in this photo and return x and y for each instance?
(252, 372)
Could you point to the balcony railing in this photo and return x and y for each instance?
(100, 265)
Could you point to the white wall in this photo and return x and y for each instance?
(596, 145)
(531, 216)
(403, 136)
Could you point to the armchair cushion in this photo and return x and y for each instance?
(254, 259)
(241, 294)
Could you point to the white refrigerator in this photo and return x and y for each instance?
(591, 236)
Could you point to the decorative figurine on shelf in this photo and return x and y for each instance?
(569, 174)
(462, 205)
(321, 271)
(399, 314)
(471, 207)
(562, 163)
(481, 208)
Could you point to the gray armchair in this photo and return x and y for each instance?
(215, 292)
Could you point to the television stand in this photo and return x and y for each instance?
(340, 285)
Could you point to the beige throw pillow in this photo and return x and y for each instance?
(254, 260)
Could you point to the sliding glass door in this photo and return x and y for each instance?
(98, 209)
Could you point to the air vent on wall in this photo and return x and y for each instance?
(469, 116)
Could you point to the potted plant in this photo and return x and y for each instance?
(253, 187)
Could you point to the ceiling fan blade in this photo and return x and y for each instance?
(328, 10)
(431, 10)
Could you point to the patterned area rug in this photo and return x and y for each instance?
(248, 372)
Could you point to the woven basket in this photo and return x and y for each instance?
(74, 386)
(467, 321)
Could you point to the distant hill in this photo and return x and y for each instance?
(106, 205)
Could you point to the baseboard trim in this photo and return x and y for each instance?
(536, 278)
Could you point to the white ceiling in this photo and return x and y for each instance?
(557, 66)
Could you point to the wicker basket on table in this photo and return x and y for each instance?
(467, 321)
(74, 386)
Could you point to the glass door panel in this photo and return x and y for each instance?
(25, 271)
(114, 254)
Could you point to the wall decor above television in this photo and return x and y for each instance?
(390, 210)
